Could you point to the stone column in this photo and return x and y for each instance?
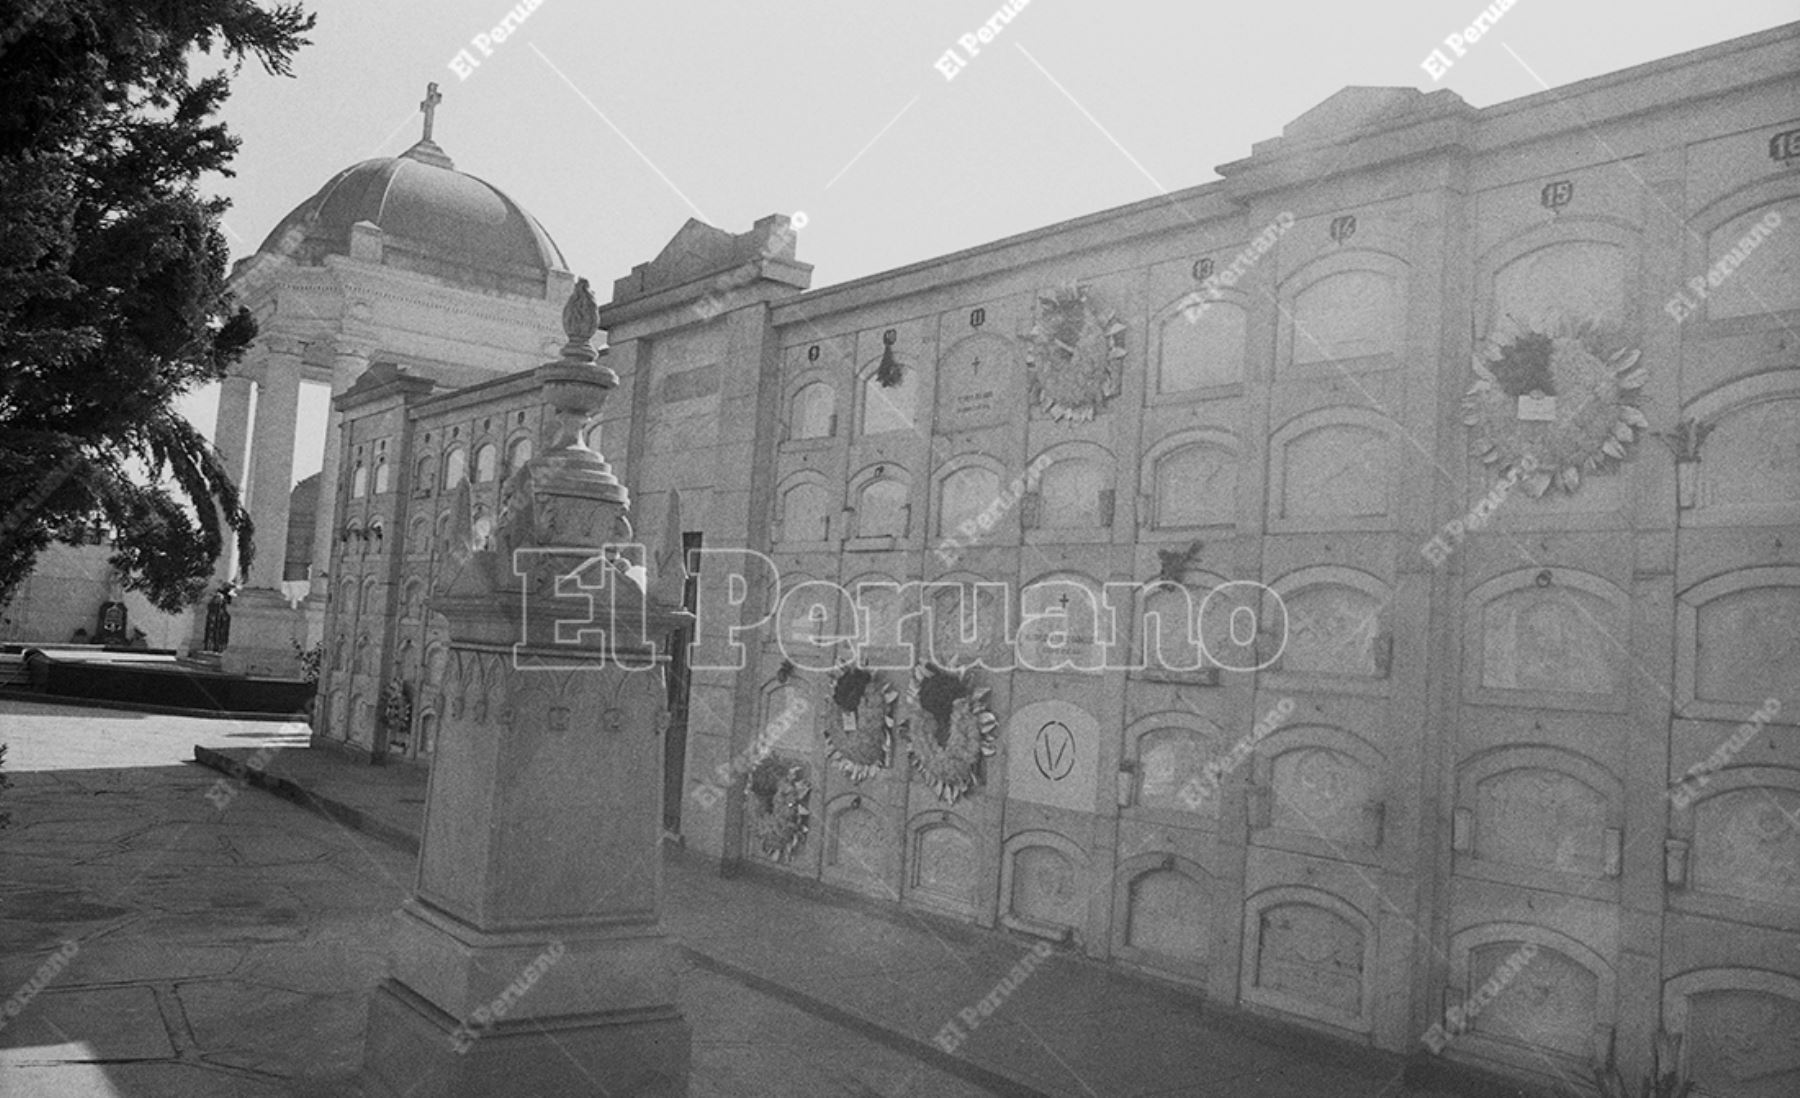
(271, 474)
(350, 357)
(264, 628)
(231, 436)
(531, 958)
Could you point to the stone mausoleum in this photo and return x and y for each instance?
(1372, 572)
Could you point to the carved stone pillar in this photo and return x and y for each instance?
(264, 628)
(531, 958)
(231, 436)
(271, 474)
(350, 357)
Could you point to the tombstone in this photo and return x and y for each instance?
(1312, 955)
(111, 627)
(531, 957)
(1052, 755)
(946, 865)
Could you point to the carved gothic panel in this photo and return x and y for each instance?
(1343, 316)
(968, 623)
(811, 617)
(965, 495)
(805, 511)
(1318, 791)
(1541, 819)
(1767, 281)
(1171, 760)
(1745, 1044)
(1747, 844)
(1071, 491)
(885, 612)
(1312, 954)
(363, 727)
(1549, 638)
(1167, 914)
(786, 724)
(1046, 888)
(1753, 457)
(975, 383)
(1331, 631)
(1058, 627)
(1167, 629)
(856, 845)
(1202, 346)
(1550, 1002)
(1196, 486)
(1581, 280)
(1749, 646)
(881, 508)
(1339, 470)
(885, 409)
(946, 866)
(812, 412)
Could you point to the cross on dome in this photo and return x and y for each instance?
(429, 106)
(426, 151)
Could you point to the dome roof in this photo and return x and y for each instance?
(433, 219)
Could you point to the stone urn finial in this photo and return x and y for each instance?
(581, 319)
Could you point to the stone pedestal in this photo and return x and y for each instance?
(264, 628)
(411, 1042)
(531, 957)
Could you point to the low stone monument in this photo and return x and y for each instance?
(218, 621)
(531, 957)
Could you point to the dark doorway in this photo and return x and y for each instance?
(675, 743)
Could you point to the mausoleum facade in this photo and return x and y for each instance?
(1329, 587)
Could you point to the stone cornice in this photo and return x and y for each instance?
(1203, 206)
(1737, 65)
(673, 308)
(500, 388)
(381, 383)
(357, 279)
(1284, 168)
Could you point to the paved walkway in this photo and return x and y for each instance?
(225, 942)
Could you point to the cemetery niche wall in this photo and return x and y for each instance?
(1324, 638)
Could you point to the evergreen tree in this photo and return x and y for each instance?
(112, 279)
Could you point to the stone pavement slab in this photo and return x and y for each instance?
(232, 944)
(231, 951)
(67, 737)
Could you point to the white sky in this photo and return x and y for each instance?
(614, 123)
